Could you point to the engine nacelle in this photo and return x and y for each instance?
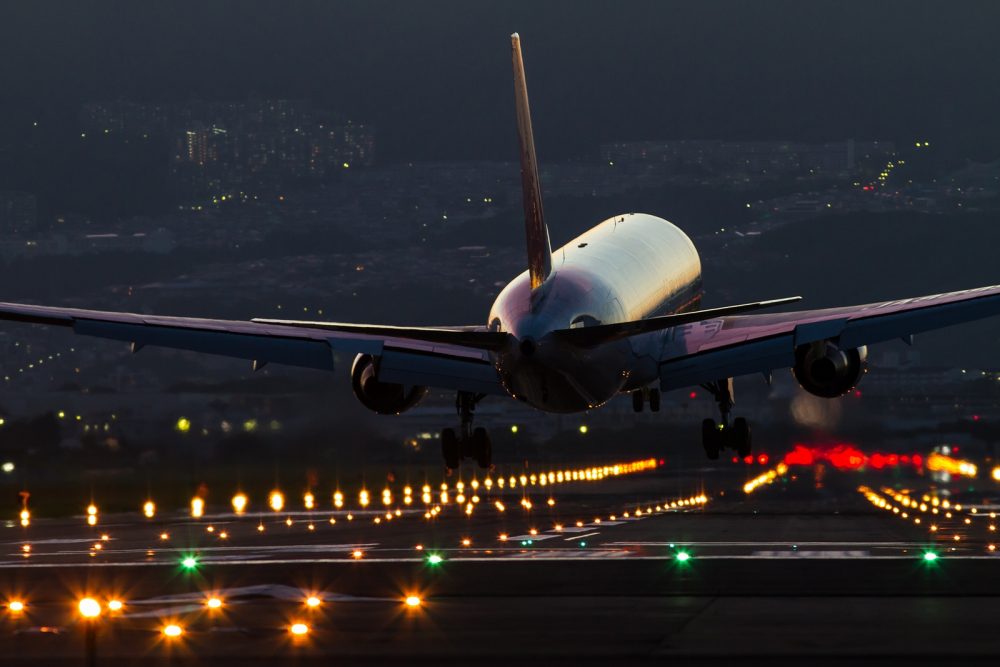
(385, 398)
(824, 369)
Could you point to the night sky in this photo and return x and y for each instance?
(434, 76)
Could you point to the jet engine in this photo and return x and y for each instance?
(824, 369)
(385, 398)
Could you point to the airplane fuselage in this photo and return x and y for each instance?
(626, 268)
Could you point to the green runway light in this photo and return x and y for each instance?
(930, 556)
(434, 559)
(189, 562)
(682, 556)
(583, 543)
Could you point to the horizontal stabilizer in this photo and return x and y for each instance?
(606, 333)
(474, 337)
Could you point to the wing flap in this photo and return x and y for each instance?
(743, 344)
(431, 363)
(306, 353)
(411, 367)
(606, 333)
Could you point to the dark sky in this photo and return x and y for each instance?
(434, 76)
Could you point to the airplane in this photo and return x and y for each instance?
(614, 311)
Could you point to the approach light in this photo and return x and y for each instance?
(239, 503)
(173, 630)
(149, 509)
(276, 500)
(89, 608)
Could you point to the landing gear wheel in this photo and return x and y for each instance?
(482, 448)
(741, 437)
(710, 439)
(654, 400)
(449, 448)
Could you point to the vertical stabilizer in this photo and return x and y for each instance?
(539, 247)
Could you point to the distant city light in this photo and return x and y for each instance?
(149, 509)
(584, 429)
(7, 467)
(183, 425)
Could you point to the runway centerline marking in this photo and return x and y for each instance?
(579, 537)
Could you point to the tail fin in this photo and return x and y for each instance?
(539, 247)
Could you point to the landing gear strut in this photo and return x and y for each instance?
(468, 442)
(735, 435)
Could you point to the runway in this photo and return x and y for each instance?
(811, 563)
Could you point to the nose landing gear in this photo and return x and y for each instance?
(716, 437)
(468, 442)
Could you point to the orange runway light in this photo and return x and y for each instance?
(172, 630)
(412, 601)
(213, 603)
(357, 554)
(15, 606)
(312, 602)
(299, 629)
(89, 608)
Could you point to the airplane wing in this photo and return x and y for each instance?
(448, 358)
(725, 347)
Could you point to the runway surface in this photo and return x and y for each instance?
(711, 564)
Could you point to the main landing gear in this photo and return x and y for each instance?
(468, 442)
(649, 395)
(716, 437)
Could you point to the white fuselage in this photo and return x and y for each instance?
(628, 267)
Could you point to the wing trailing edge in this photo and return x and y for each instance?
(606, 333)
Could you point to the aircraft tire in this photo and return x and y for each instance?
(482, 447)
(741, 435)
(710, 439)
(449, 448)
